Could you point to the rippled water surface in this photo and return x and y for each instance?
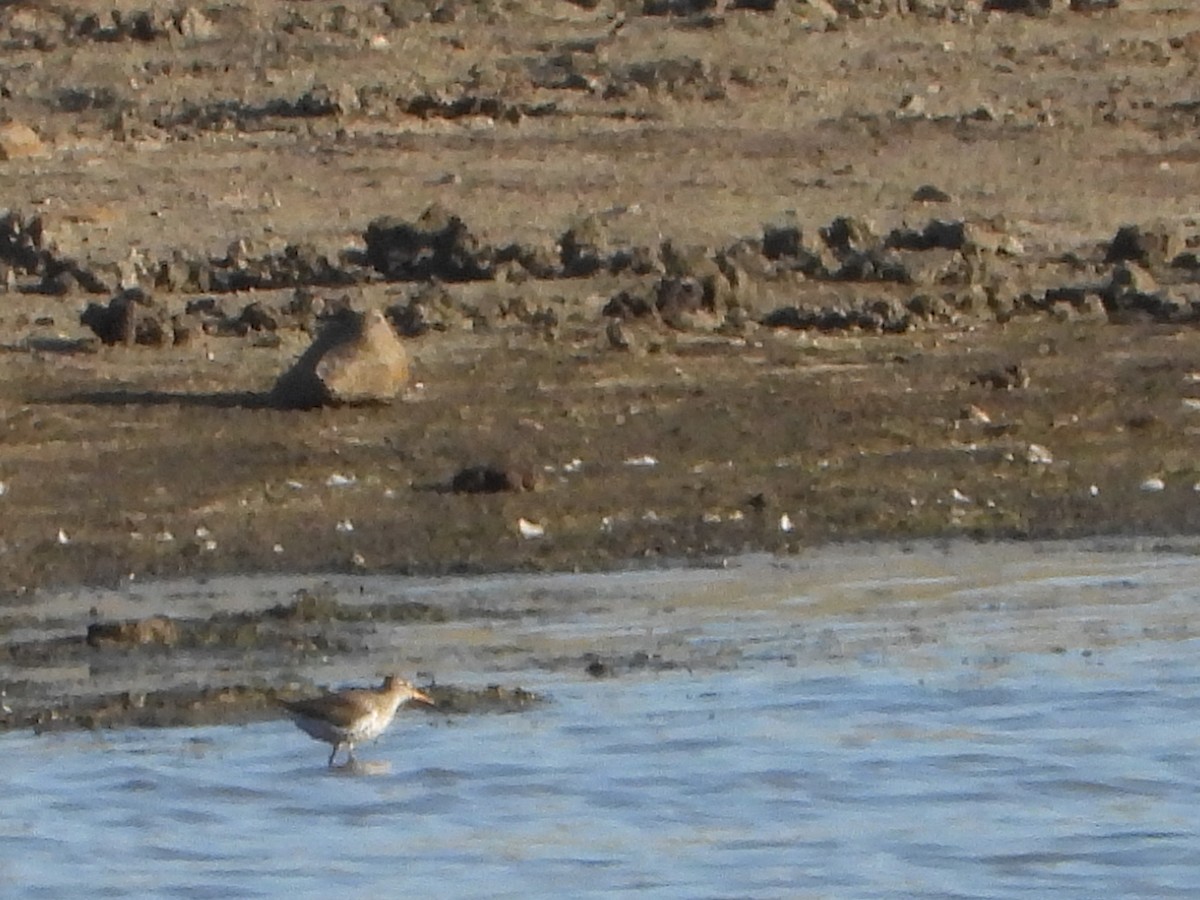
(1032, 738)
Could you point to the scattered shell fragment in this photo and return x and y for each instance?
(785, 524)
(345, 526)
(1153, 484)
(62, 537)
(642, 461)
(1192, 403)
(339, 480)
(529, 529)
(1038, 455)
(278, 548)
(573, 466)
(164, 537)
(1094, 490)
(958, 496)
(976, 415)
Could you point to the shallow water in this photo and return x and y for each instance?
(1035, 735)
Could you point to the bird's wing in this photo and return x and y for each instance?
(340, 710)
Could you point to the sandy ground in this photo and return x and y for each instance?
(1020, 373)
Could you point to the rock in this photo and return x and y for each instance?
(355, 359)
(929, 193)
(681, 77)
(1132, 295)
(1148, 247)
(634, 303)
(22, 243)
(1011, 377)
(874, 264)
(847, 235)
(1028, 7)
(182, 331)
(154, 630)
(590, 246)
(437, 245)
(194, 25)
(974, 414)
(679, 302)
(991, 237)
(750, 279)
(936, 234)
(933, 267)
(755, 5)
(255, 317)
(677, 7)
(263, 265)
(1130, 279)
(65, 276)
(783, 241)
(618, 339)
(487, 479)
(1037, 455)
(689, 261)
(747, 260)
(19, 141)
(432, 309)
(537, 260)
(945, 235)
(598, 669)
(585, 248)
(131, 317)
(880, 315)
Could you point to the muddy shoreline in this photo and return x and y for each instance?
(225, 650)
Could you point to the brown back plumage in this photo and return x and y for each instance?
(344, 708)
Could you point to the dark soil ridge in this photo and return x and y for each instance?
(841, 276)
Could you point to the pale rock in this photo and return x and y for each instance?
(356, 360)
(19, 141)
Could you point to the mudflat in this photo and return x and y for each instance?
(678, 280)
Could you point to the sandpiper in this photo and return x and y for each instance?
(346, 718)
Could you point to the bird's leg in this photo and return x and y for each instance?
(336, 747)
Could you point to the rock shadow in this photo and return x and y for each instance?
(208, 400)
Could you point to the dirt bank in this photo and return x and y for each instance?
(679, 281)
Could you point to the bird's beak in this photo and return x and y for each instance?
(423, 698)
